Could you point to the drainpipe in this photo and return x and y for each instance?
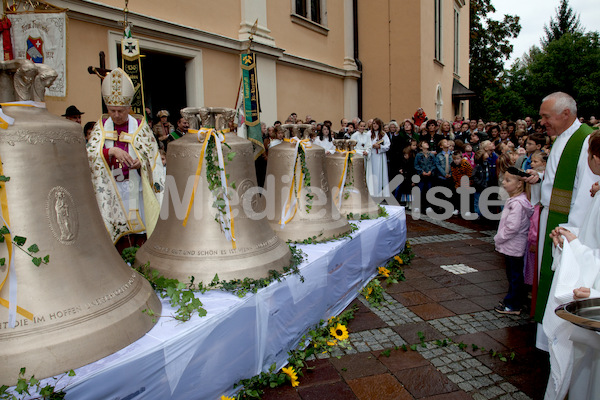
(356, 59)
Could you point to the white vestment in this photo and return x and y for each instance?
(363, 145)
(377, 180)
(580, 201)
(326, 144)
(577, 265)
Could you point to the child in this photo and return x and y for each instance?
(511, 240)
(534, 142)
(504, 162)
(460, 167)
(424, 166)
(469, 154)
(538, 163)
(481, 177)
(163, 157)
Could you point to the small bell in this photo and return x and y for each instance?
(346, 174)
(298, 186)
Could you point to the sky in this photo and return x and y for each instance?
(534, 14)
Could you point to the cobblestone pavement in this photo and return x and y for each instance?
(436, 335)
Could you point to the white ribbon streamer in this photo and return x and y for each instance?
(12, 284)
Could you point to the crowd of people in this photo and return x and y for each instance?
(546, 172)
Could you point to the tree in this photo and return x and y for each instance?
(490, 47)
(567, 21)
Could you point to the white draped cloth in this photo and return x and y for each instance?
(377, 180)
(584, 179)
(577, 265)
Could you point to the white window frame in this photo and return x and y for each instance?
(307, 22)
(437, 29)
(439, 102)
(456, 42)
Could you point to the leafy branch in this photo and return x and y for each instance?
(19, 242)
(32, 386)
(319, 239)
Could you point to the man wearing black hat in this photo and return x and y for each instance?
(73, 114)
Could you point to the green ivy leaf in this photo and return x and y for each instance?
(2, 261)
(37, 261)
(4, 230)
(20, 240)
(47, 259)
(4, 178)
(33, 248)
(230, 156)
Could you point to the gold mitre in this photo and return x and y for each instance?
(117, 88)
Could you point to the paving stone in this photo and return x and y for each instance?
(425, 381)
(335, 391)
(358, 366)
(431, 311)
(319, 372)
(384, 386)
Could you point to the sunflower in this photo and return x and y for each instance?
(227, 398)
(331, 343)
(384, 271)
(369, 290)
(289, 371)
(340, 332)
(400, 260)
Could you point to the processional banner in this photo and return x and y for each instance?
(131, 64)
(41, 38)
(251, 102)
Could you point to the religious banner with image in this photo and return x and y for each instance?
(41, 38)
(251, 102)
(132, 65)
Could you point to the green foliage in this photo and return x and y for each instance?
(320, 239)
(489, 48)
(567, 21)
(181, 294)
(380, 213)
(213, 175)
(32, 388)
(306, 178)
(567, 64)
(317, 340)
(19, 242)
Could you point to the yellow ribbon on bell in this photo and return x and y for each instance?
(291, 202)
(342, 181)
(228, 223)
(10, 248)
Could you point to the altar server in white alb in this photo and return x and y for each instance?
(377, 180)
(127, 172)
(574, 351)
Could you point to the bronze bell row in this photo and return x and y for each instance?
(205, 246)
(86, 303)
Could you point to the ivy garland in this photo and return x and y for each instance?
(213, 175)
(349, 177)
(182, 296)
(380, 213)
(319, 239)
(306, 179)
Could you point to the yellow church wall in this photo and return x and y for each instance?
(305, 92)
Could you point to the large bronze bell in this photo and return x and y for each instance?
(346, 175)
(86, 303)
(206, 245)
(301, 211)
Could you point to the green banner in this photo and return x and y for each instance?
(251, 102)
(132, 65)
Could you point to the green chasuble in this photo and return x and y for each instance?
(558, 210)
